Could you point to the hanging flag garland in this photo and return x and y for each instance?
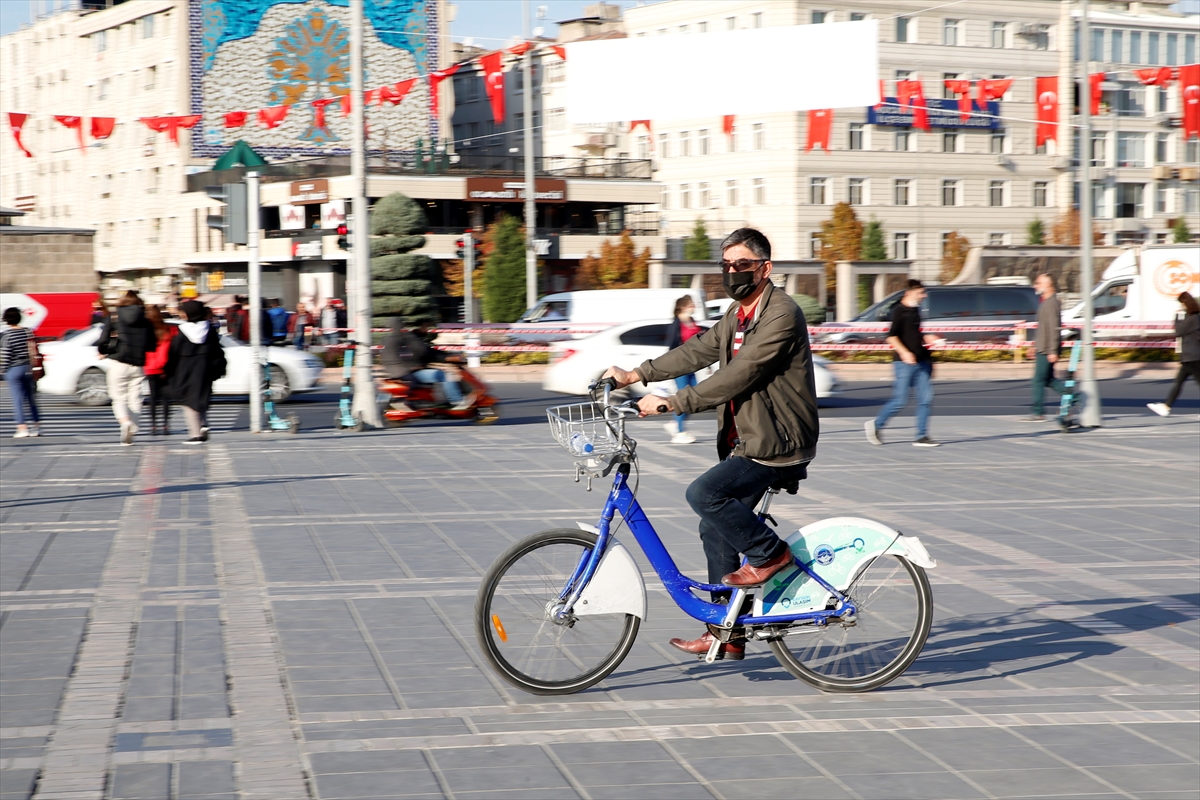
(820, 122)
(1046, 91)
(15, 123)
(394, 95)
(493, 83)
(171, 124)
(1095, 79)
(993, 89)
(235, 119)
(910, 94)
(435, 80)
(560, 51)
(1156, 76)
(74, 123)
(1189, 94)
(520, 49)
(272, 116)
(102, 127)
(963, 90)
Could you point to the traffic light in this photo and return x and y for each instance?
(461, 248)
(233, 221)
(343, 234)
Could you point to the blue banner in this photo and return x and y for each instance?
(942, 114)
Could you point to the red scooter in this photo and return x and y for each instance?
(409, 401)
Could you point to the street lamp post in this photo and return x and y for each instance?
(1090, 415)
(364, 406)
(531, 288)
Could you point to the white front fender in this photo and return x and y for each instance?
(616, 588)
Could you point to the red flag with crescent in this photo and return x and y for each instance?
(1094, 81)
(1189, 94)
(435, 79)
(910, 94)
(1155, 76)
(15, 123)
(493, 83)
(319, 111)
(1046, 91)
(993, 89)
(395, 94)
(963, 90)
(820, 120)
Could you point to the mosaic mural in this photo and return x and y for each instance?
(249, 54)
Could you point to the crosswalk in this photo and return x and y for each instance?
(61, 416)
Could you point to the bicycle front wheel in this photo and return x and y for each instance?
(520, 634)
(895, 610)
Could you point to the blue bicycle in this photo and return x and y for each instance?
(559, 610)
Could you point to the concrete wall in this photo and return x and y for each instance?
(47, 262)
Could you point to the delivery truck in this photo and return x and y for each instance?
(52, 315)
(1143, 285)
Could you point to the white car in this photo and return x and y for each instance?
(575, 364)
(74, 367)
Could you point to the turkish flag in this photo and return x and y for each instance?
(75, 124)
(963, 90)
(642, 122)
(1046, 90)
(1155, 76)
(102, 127)
(560, 50)
(368, 98)
(235, 119)
(882, 95)
(272, 116)
(493, 83)
(820, 120)
(727, 124)
(396, 93)
(1095, 79)
(986, 90)
(15, 123)
(170, 124)
(1189, 94)
(910, 94)
(319, 111)
(435, 79)
(520, 49)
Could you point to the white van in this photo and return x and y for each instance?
(610, 306)
(1143, 285)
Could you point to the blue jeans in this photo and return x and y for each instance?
(1043, 376)
(682, 382)
(725, 498)
(20, 385)
(917, 376)
(430, 376)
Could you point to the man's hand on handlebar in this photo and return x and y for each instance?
(623, 377)
(652, 404)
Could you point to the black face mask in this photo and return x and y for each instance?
(740, 285)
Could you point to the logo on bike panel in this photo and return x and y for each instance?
(824, 555)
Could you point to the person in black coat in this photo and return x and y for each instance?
(124, 340)
(194, 361)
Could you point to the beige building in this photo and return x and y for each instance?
(42, 259)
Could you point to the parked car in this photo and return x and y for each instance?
(947, 305)
(74, 367)
(575, 364)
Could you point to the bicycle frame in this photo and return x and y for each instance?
(679, 586)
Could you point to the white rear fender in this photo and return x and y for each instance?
(616, 588)
(910, 547)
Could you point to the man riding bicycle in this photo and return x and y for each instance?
(766, 405)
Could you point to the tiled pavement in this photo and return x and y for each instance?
(290, 617)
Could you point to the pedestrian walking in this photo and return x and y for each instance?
(1048, 345)
(99, 311)
(912, 364)
(156, 363)
(1187, 328)
(124, 341)
(234, 317)
(17, 354)
(682, 328)
(194, 360)
(329, 322)
(298, 325)
(278, 315)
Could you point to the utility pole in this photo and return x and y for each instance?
(255, 302)
(468, 277)
(531, 289)
(1090, 415)
(364, 405)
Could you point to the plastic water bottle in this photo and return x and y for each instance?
(580, 444)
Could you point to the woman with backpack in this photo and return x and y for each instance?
(156, 363)
(194, 360)
(1187, 328)
(17, 350)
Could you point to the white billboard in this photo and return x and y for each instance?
(756, 71)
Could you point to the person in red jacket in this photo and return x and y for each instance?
(156, 362)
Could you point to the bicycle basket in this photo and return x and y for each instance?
(580, 425)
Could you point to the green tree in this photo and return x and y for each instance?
(1182, 233)
(401, 281)
(504, 271)
(619, 266)
(697, 246)
(1035, 232)
(873, 247)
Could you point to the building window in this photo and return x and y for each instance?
(1191, 151)
(151, 77)
(731, 193)
(155, 174)
(951, 32)
(950, 142)
(997, 239)
(1129, 200)
(997, 192)
(1040, 194)
(760, 192)
(999, 144)
(814, 245)
(1135, 47)
(818, 17)
(643, 146)
(999, 34)
(856, 191)
(1129, 100)
(900, 246)
(1189, 49)
(155, 231)
(664, 145)
(756, 19)
(900, 192)
(556, 119)
(102, 92)
(1099, 149)
(950, 193)
(685, 196)
(857, 129)
(662, 31)
(702, 27)
(905, 141)
(816, 193)
(730, 23)
(1152, 57)
(760, 136)
(1131, 149)
(703, 199)
(665, 202)
(683, 29)
(148, 26)
(1191, 200)
(703, 142)
(685, 143)
(106, 186)
(1097, 45)
(857, 16)
(902, 29)
(556, 72)
(101, 39)
(1161, 141)
(1172, 50)
(1160, 199)
(1116, 44)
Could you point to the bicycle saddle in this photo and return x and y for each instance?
(792, 486)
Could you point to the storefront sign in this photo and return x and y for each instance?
(942, 114)
(499, 190)
(306, 193)
(333, 214)
(291, 217)
(307, 251)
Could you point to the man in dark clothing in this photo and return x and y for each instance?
(235, 316)
(406, 357)
(1048, 344)
(766, 405)
(913, 366)
(125, 338)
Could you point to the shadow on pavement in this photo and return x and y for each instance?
(187, 487)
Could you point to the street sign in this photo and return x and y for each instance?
(499, 190)
(307, 193)
(942, 114)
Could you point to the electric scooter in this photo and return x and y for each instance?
(290, 423)
(404, 402)
(344, 419)
(1071, 395)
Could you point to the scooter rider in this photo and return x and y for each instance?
(407, 356)
(766, 405)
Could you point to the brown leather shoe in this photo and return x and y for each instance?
(757, 576)
(734, 651)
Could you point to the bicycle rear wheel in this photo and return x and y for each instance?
(515, 624)
(895, 610)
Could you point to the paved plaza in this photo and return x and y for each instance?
(290, 617)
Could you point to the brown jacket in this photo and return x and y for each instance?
(770, 382)
(1049, 329)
